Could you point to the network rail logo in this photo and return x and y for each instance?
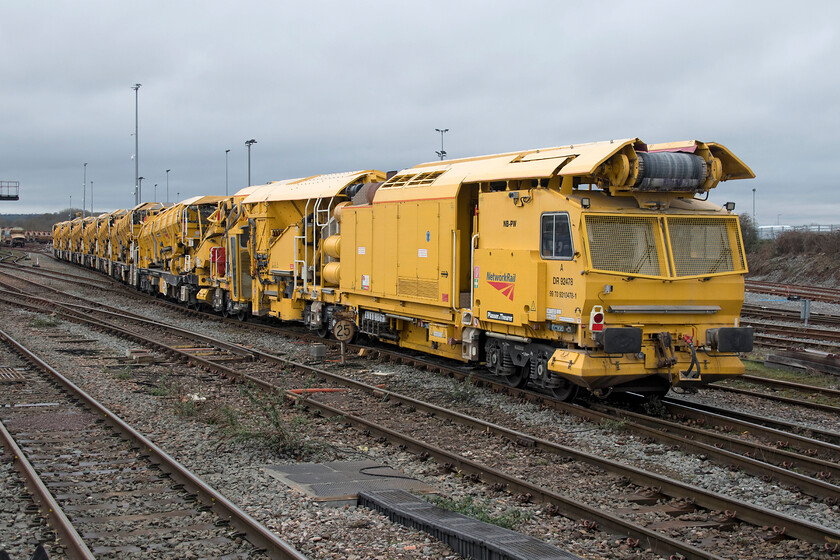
(505, 283)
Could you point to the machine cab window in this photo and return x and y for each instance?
(555, 236)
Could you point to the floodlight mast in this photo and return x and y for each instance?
(249, 143)
(137, 195)
(442, 153)
(84, 190)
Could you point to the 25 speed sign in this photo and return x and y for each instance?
(343, 330)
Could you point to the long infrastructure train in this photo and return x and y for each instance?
(595, 266)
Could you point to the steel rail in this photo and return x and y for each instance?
(44, 286)
(70, 279)
(777, 398)
(786, 342)
(751, 457)
(11, 288)
(791, 331)
(806, 445)
(120, 289)
(779, 383)
(68, 537)
(218, 343)
(165, 349)
(793, 315)
(255, 532)
(105, 278)
(815, 293)
(826, 436)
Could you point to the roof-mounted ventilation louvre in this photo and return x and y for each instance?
(412, 180)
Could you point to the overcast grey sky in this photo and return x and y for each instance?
(326, 86)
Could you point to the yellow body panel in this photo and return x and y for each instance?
(598, 372)
(288, 221)
(304, 188)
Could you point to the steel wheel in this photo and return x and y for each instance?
(566, 391)
(519, 377)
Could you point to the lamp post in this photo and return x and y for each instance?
(137, 194)
(754, 208)
(140, 189)
(84, 183)
(167, 185)
(155, 192)
(442, 153)
(249, 143)
(226, 171)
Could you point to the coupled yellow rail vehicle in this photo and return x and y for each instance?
(595, 266)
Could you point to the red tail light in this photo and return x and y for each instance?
(596, 319)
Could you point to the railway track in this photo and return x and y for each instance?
(815, 293)
(764, 312)
(815, 441)
(465, 463)
(830, 408)
(106, 489)
(795, 332)
(383, 354)
(779, 384)
(297, 333)
(71, 278)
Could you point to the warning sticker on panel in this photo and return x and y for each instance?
(552, 314)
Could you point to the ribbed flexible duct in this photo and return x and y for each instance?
(670, 171)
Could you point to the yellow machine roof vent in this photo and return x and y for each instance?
(412, 180)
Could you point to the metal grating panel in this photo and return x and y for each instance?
(705, 246)
(625, 244)
(468, 537)
(412, 180)
(416, 287)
